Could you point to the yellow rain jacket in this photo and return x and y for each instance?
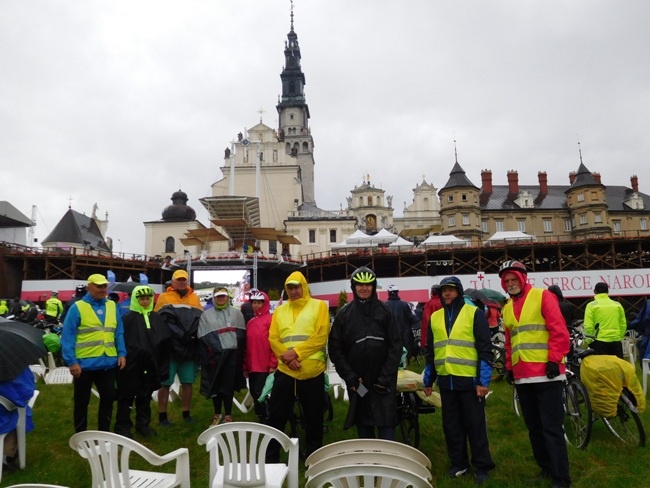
(302, 325)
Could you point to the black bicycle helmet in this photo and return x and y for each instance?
(512, 265)
(435, 290)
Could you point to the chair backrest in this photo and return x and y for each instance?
(36, 485)
(368, 458)
(109, 456)
(242, 446)
(368, 445)
(367, 476)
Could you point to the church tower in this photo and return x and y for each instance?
(293, 114)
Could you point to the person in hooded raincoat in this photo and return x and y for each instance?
(365, 346)
(459, 356)
(298, 335)
(260, 360)
(222, 344)
(148, 347)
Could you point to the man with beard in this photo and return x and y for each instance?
(537, 341)
(365, 346)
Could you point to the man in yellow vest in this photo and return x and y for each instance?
(93, 348)
(459, 355)
(537, 341)
(53, 308)
(298, 336)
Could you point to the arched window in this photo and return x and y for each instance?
(425, 204)
(288, 148)
(305, 147)
(275, 155)
(169, 244)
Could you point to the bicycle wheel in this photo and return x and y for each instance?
(577, 414)
(515, 402)
(627, 425)
(409, 426)
(499, 363)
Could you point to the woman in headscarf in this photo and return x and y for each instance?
(222, 342)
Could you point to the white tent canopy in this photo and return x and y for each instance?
(384, 237)
(401, 243)
(509, 236)
(443, 241)
(358, 238)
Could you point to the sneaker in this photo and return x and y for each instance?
(189, 420)
(165, 423)
(480, 477)
(455, 472)
(227, 419)
(216, 420)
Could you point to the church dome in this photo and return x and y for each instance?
(179, 210)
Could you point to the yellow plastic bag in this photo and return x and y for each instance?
(409, 380)
(605, 377)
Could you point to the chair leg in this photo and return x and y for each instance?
(20, 432)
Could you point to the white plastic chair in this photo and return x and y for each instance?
(242, 447)
(174, 391)
(247, 404)
(629, 346)
(109, 456)
(350, 446)
(36, 485)
(57, 375)
(368, 458)
(38, 370)
(367, 476)
(646, 371)
(21, 427)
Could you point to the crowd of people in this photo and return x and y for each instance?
(128, 353)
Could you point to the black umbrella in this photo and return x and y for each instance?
(20, 345)
(125, 286)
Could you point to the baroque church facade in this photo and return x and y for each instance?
(266, 198)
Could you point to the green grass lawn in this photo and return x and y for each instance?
(605, 463)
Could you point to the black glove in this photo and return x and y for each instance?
(381, 389)
(552, 370)
(510, 377)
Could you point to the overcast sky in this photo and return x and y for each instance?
(121, 103)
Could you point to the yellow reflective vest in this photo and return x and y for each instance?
(95, 339)
(528, 335)
(455, 354)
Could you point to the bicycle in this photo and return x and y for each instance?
(297, 421)
(409, 407)
(499, 361)
(575, 397)
(626, 424)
